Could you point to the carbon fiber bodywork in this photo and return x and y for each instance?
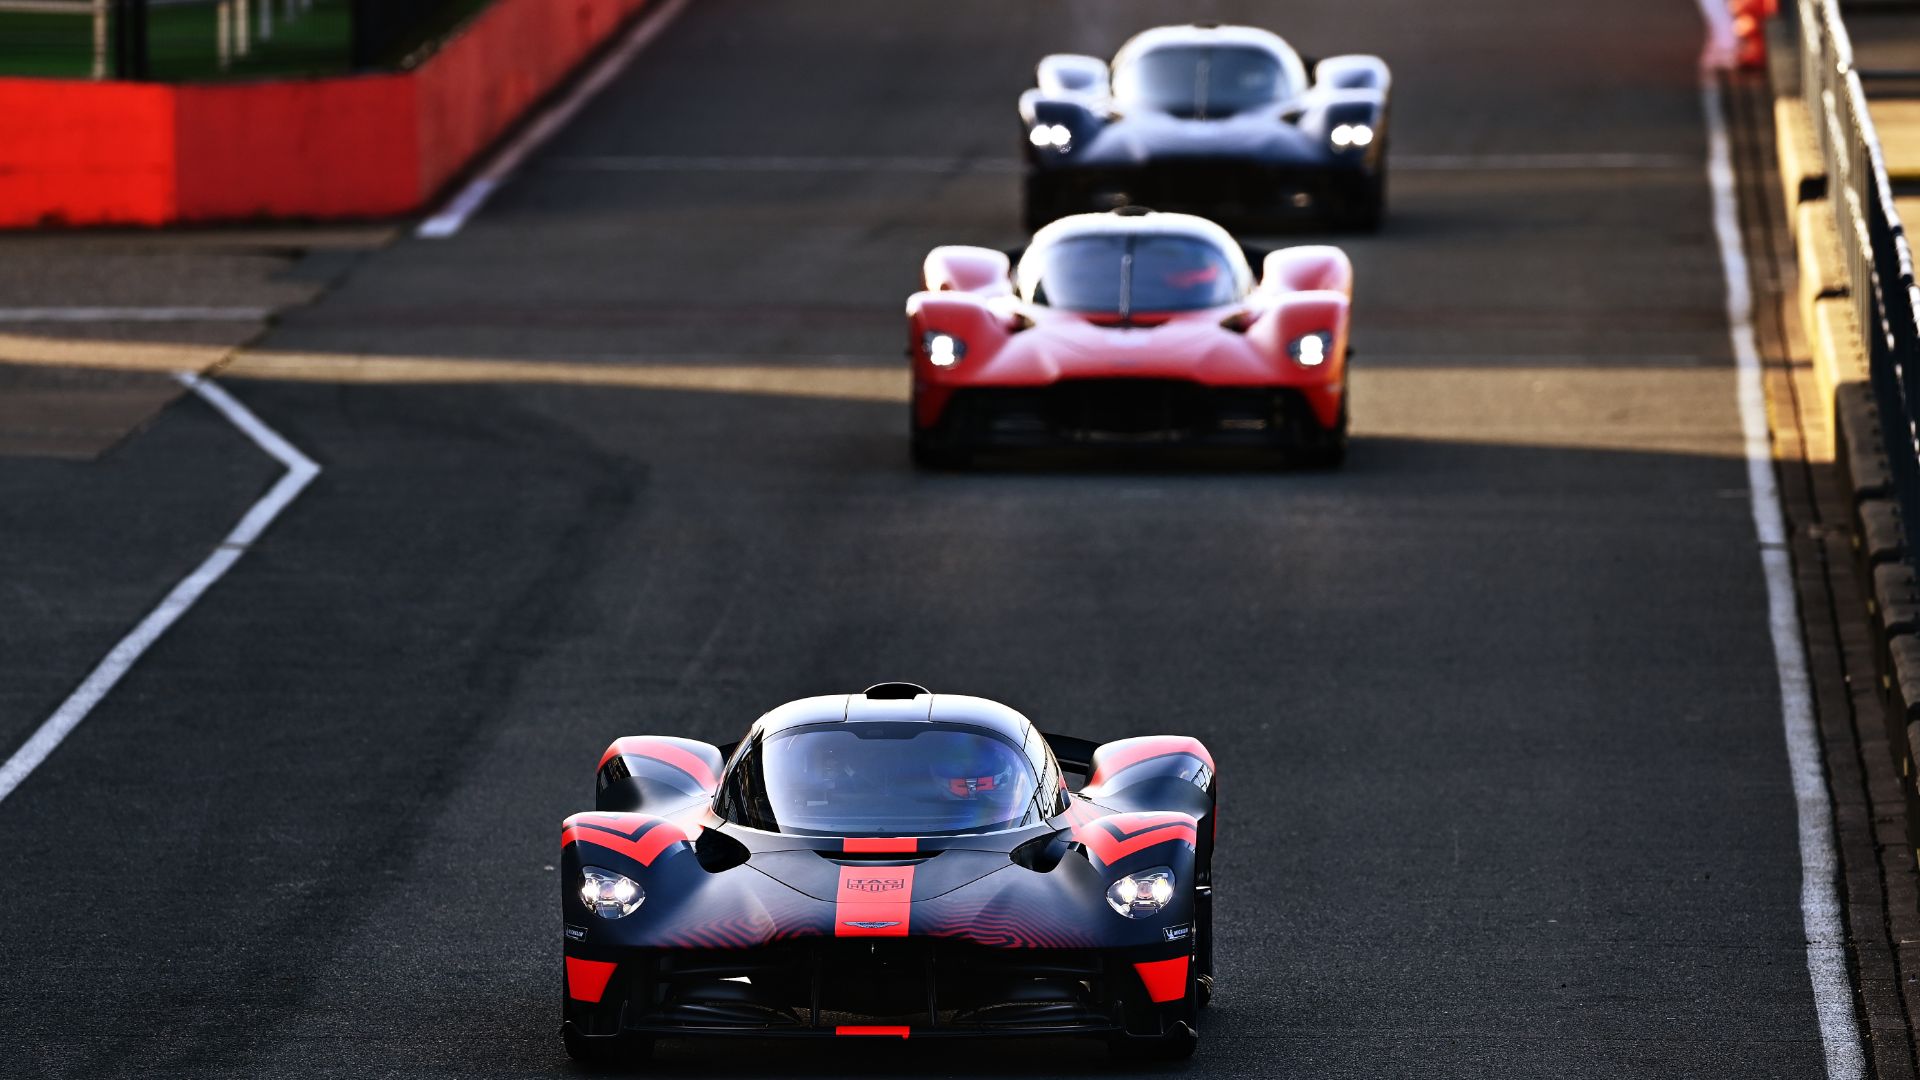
(1310, 144)
(1234, 189)
(745, 932)
(1129, 412)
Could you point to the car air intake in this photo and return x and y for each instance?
(895, 691)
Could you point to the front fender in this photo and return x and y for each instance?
(1327, 110)
(1082, 122)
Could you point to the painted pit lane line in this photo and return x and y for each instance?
(450, 220)
(107, 674)
(1819, 859)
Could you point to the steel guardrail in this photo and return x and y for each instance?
(1878, 258)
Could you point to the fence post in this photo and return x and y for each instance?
(99, 39)
(129, 27)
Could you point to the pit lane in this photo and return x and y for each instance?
(1504, 789)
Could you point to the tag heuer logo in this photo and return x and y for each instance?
(875, 884)
(873, 925)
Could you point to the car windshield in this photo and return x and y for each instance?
(1124, 274)
(877, 778)
(1202, 82)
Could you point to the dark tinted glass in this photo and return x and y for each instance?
(1202, 82)
(1132, 274)
(881, 779)
(1178, 273)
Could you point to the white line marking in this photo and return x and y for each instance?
(107, 674)
(134, 314)
(453, 217)
(941, 166)
(1826, 931)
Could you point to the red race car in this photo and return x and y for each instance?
(1125, 329)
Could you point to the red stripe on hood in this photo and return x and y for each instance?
(881, 845)
(871, 1029)
(880, 896)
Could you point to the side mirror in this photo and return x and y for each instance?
(1308, 268)
(1354, 72)
(981, 271)
(1065, 75)
(656, 774)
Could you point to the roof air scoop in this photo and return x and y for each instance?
(894, 691)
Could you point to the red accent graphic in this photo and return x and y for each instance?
(873, 901)
(1112, 838)
(1166, 980)
(1187, 279)
(876, 1029)
(663, 751)
(880, 845)
(1117, 757)
(640, 837)
(587, 979)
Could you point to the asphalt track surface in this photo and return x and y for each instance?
(1504, 786)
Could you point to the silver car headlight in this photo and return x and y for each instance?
(1311, 350)
(1350, 136)
(610, 895)
(943, 350)
(1140, 895)
(1051, 137)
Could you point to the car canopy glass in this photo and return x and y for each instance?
(1202, 82)
(1130, 273)
(881, 778)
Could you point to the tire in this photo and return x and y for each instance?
(1365, 206)
(607, 1051)
(1329, 450)
(1176, 1045)
(1183, 1038)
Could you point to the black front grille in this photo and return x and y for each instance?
(1126, 411)
(820, 985)
(1209, 184)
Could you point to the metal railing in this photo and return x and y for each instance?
(197, 39)
(1873, 242)
(95, 10)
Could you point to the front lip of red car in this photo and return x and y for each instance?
(1206, 353)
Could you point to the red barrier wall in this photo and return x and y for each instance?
(483, 81)
(322, 148)
(82, 153)
(91, 153)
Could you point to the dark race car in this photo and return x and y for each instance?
(1222, 121)
(895, 864)
(1130, 330)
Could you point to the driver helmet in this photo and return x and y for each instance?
(982, 775)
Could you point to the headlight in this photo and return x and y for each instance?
(610, 895)
(1051, 135)
(1311, 350)
(1139, 895)
(1354, 135)
(943, 350)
